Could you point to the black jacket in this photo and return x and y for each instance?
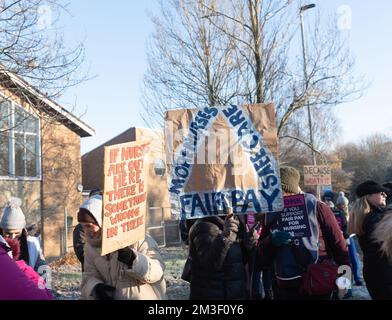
(218, 265)
(377, 271)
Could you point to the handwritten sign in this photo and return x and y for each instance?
(220, 155)
(125, 195)
(317, 175)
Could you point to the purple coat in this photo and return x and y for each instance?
(14, 284)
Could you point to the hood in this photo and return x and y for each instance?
(94, 206)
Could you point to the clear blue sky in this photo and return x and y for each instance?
(116, 35)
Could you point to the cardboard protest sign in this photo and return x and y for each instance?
(294, 218)
(125, 195)
(317, 175)
(220, 154)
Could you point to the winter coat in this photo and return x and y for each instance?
(36, 256)
(377, 269)
(217, 265)
(32, 275)
(143, 281)
(15, 284)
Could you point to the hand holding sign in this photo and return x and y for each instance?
(230, 228)
(250, 241)
(126, 255)
(279, 238)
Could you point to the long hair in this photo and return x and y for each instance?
(383, 234)
(357, 214)
(24, 249)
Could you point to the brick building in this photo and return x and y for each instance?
(40, 159)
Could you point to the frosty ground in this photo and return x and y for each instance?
(66, 277)
(67, 274)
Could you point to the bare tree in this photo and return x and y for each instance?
(36, 67)
(369, 159)
(190, 63)
(33, 53)
(259, 58)
(32, 46)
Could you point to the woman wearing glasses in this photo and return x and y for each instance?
(365, 215)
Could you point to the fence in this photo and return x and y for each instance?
(164, 232)
(156, 225)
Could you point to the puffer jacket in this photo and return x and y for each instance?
(377, 270)
(14, 283)
(143, 281)
(217, 266)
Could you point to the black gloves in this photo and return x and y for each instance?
(104, 292)
(126, 255)
(279, 238)
(230, 228)
(251, 238)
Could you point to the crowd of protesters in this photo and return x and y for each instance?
(231, 257)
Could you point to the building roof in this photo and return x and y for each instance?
(49, 106)
(125, 136)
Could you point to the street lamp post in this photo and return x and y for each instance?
(301, 11)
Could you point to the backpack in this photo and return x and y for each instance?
(287, 266)
(297, 265)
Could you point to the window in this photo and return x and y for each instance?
(19, 142)
(5, 108)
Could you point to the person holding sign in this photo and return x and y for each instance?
(219, 248)
(131, 273)
(79, 239)
(311, 250)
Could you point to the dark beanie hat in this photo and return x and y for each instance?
(289, 178)
(369, 187)
(85, 216)
(328, 195)
(388, 185)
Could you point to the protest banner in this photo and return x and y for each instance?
(317, 175)
(124, 196)
(220, 154)
(294, 218)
